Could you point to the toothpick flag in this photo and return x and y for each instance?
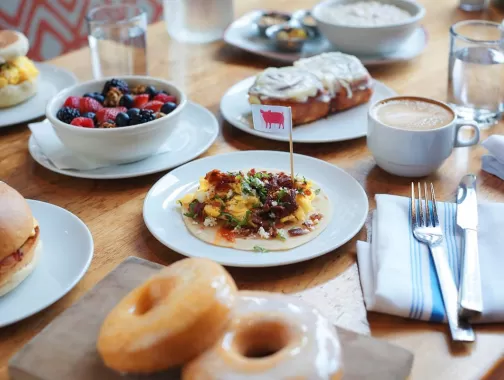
(274, 119)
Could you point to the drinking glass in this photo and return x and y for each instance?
(476, 71)
(117, 39)
(473, 5)
(197, 21)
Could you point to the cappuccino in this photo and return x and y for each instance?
(412, 114)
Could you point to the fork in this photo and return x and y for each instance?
(426, 229)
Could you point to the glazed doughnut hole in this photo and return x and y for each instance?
(259, 339)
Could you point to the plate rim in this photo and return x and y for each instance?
(47, 66)
(282, 138)
(289, 57)
(80, 174)
(350, 236)
(77, 279)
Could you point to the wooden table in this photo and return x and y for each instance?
(113, 209)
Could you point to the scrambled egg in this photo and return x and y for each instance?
(16, 71)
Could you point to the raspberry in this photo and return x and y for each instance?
(72, 102)
(153, 105)
(67, 114)
(165, 98)
(108, 114)
(83, 122)
(141, 117)
(89, 105)
(140, 100)
(117, 83)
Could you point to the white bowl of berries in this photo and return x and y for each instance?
(116, 120)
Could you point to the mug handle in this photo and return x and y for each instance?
(466, 123)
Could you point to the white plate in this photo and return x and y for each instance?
(346, 125)
(196, 132)
(163, 219)
(243, 34)
(67, 250)
(52, 80)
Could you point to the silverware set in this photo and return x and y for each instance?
(465, 302)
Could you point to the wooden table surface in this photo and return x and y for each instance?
(113, 209)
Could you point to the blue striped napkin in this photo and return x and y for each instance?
(397, 272)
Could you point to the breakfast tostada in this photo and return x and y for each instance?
(260, 210)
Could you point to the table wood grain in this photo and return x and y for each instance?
(113, 209)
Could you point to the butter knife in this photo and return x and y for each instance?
(470, 298)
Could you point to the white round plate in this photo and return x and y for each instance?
(196, 132)
(51, 80)
(243, 34)
(67, 250)
(163, 218)
(346, 125)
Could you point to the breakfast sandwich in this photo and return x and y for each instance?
(261, 210)
(18, 74)
(19, 239)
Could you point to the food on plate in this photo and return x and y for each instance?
(271, 336)
(291, 87)
(18, 74)
(365, 13)
(268, 19)
(170, 319)
(255, 210)
(292, 33)
(344, 76)
(314, 87)
(308, 20)
(117, 106)
(20, 242)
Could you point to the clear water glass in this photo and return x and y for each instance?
(476, 71)
(197, 21)
(473, 5)
(118, 40)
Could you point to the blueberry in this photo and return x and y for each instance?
(133, 111)
(89, 95)
(122, 119)
(151, 90)
(96, 96)
(90, 115)
(164, 92)
(168, 108)
(126, 101)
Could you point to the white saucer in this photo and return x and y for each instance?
(196, 132)
(346, 125)
(243, 34)
(67, 250)
(51, 80)
(163, 218)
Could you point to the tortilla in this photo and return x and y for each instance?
(321, 205)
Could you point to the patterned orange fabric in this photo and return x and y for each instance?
(55, 27)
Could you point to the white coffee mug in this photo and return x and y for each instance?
(415, 153)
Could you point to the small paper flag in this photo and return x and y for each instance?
(272, 119)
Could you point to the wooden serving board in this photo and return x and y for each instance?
(65, 349)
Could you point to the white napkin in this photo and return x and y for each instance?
(397, 273)
(494, 162)
(61, 156)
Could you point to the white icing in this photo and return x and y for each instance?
(335, 70)
(287, 83)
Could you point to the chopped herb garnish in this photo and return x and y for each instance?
(235, 222)
(317, 192)
(260, 249)
(180, 203)
(281, 194)
(191, 213)
(300, 190)
(280, 237)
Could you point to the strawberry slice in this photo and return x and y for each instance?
(140, 100)
(164, 98)
(153, 105)
(89, 105)
(83, 122)
(109, 114)
(72, 102)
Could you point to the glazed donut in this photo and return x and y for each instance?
(271, 336)
(170, 319)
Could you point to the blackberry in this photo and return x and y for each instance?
(126, 101)
(143, 116)
(117, 83)
(67, 114)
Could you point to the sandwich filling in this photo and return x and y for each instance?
(17, 71)
(23, 252)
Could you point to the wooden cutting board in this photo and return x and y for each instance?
(65, 349)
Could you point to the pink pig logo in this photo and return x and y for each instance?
(271, 117)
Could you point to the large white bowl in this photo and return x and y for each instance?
(116, 145)
(366, 40)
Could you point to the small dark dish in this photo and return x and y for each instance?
(268, 19)
(305, 18)
(289, 37)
